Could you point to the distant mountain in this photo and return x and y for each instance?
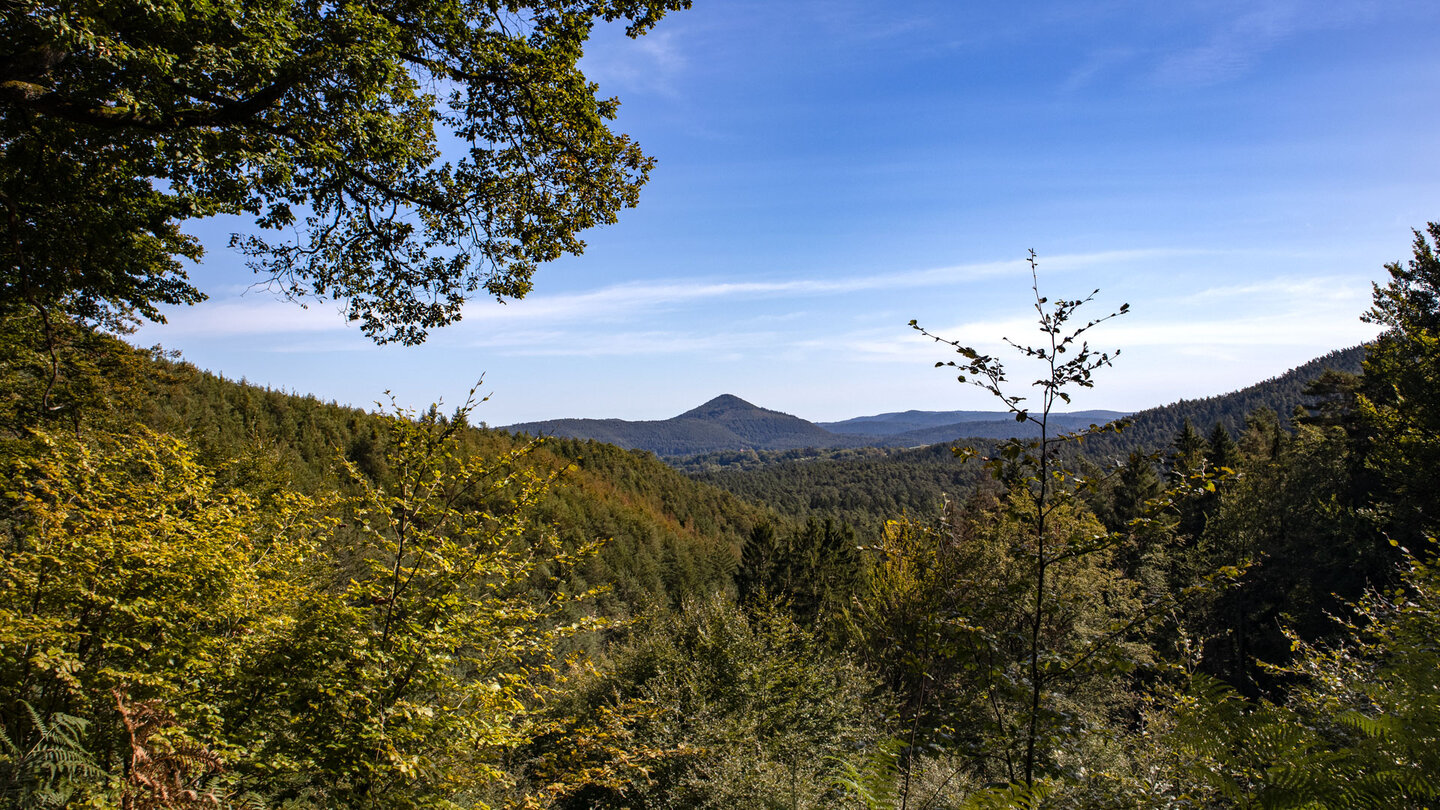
(889, 424)
(866, 488)
(920, 428)
(729, 423)
(1156, 428)
(726, 422)
(989, 423)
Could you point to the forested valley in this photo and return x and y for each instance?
(220, 595)
(216, 595)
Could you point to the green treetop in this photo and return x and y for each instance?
(121, 119)
(1400, 391)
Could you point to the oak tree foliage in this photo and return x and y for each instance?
(401, 155)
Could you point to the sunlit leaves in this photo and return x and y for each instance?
(323, 122)
(127, 570)
(388, 642)
(1396, 403)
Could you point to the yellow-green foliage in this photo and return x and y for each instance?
(947, 617)
(127, 572)
(711, 706)
(380, 647)
(124, 566)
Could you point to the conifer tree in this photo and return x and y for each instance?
(1400, 393)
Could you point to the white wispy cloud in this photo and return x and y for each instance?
(625, 344)
(1297, 291)
(1285, 329)
(1324, 329)
(1313, 311)
(1234, 46)
(259, 313)
(253, 314)
(651, 64)
(620, 300)
(1238, 41)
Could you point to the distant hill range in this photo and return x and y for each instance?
(728, 423)
(865, 487)
(1156, 428)
(917, 428)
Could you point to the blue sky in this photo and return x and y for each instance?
(1238, 172)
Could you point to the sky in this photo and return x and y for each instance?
(1237, 172)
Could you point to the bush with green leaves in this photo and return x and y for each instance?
(381, 646)
(711, 706)
(1360, 727)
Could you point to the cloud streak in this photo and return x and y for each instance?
(1314, 289)
(249, 315)
(261, 315)
(1240, 41)
(1324, 329)
(600, 323)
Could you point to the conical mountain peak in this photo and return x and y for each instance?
(723, 405)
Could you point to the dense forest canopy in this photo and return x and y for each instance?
(218, 595)
(322, 121)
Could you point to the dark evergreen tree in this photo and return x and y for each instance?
(758, 563)
(1187, 450)
(1263, 437)
(809, 569)
(1223, 451)
(1400, 395)
(1137, 483)
(1188, 457)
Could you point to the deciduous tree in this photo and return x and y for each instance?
(1050, 540)
(324, 122)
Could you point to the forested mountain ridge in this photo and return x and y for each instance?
(728, 423)
(665, 534)
(1003, 427)
(885, 424)
(1155, 428)
(864, 488)
(915, 423)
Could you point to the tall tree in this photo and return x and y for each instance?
(1051, 543)
(809, 569)
(1222, 450)
(120, 120)
(1400, 393)
(1188, 450)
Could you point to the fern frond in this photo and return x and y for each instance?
(1380, 727)
(875, 782)
(1010, 797)
(46, 773)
